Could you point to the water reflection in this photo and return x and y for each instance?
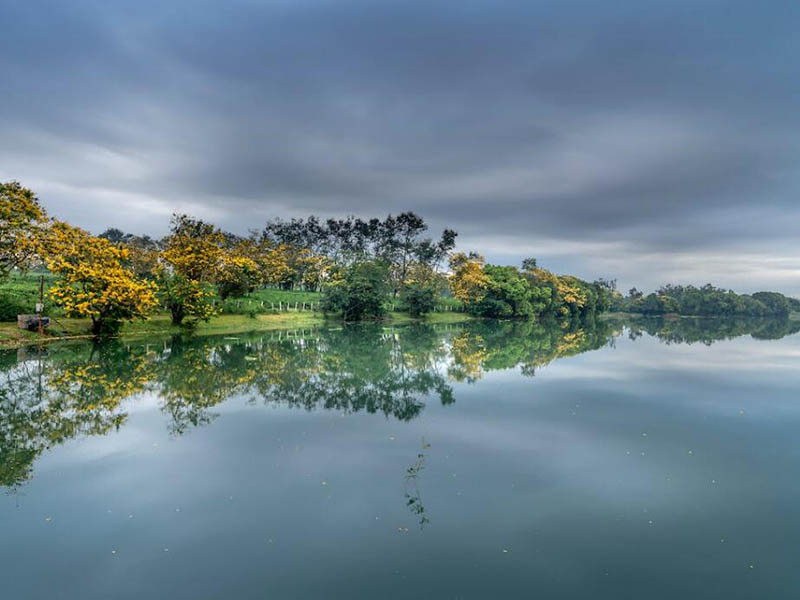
(413, 495)
(48, 397)
(710, 330)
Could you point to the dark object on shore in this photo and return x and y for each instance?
(32, 322)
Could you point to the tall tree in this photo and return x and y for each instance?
(22, 221)
(94, 282)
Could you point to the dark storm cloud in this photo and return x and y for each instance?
(651, 140)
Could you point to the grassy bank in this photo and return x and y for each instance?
(263, 310)
(160, 325)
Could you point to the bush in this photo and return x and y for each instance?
(360, 292)
(11, 306)
(418, 299)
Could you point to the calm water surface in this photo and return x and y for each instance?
(503, 460)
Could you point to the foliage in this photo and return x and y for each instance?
(774, 303)
(507, 292)
(418, 298)
(395, 240)
(192, 256)
(655, 304)
(358, 292)
(706, 301)
(184, 297)
(238, 272)
(468, 282)
(22, 220)
(143, 252)
(194, 249)
(93, 280)
(571, 297)
(19, 293)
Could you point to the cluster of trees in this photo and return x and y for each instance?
(509, 292)
(706, 301)
(364, 268)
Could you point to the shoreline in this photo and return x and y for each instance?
(66, 330)
(160, 325)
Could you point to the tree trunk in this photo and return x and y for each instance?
(177, 314)
(97, 326)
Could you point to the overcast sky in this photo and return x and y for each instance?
(649, 141)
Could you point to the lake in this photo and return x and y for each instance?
(650, 459)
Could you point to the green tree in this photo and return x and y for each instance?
(418, 298)
(360, 291)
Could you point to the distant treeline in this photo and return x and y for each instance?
(705, 301)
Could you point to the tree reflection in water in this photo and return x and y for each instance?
(413, 495)
(50, 396)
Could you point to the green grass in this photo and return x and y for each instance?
(160, 325)
(258, 311)
(269, 300)
(20, 293)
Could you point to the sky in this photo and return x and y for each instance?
(650, 142)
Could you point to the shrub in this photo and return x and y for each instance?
(418, 299)
(359, 292)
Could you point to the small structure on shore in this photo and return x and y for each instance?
(32, 322)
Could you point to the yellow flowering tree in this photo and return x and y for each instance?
(315, 269)
(238, 272)
(189, 265)
(275, 264)
(22, 221)
(194, 248)
(94, 282)
(468, 281)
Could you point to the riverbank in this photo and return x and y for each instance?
(159, 325)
